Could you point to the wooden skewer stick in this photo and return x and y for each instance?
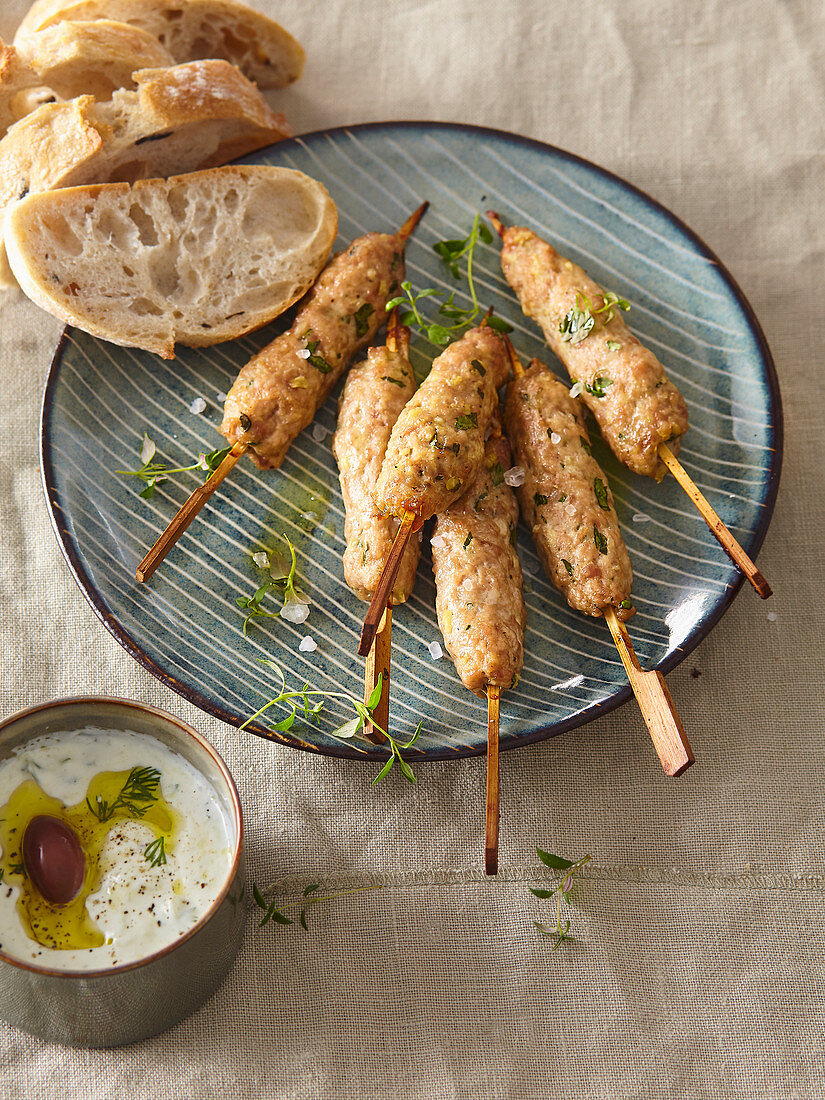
(182, 518)
(655, 702)
(381, 595)
(725, 539)
(717, 528)
(378, 664)
(187, 513)
(493, 812)
(412, 221)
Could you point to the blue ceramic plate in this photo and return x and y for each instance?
(185, 625)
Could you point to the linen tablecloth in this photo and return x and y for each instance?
(698, 962)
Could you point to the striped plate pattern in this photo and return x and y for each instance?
(185, 625)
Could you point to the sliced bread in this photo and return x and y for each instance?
(92, 58)
(190, 30)
(195, 259)
(21, 88)
(191, 116)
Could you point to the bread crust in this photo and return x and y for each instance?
(17, 78)
(78, 58)
(195, 259)
(185, 118)
(190, 30)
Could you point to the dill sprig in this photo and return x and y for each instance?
(561, 890)
(454, 317)
(141, 789)
(311, 702)
(155, 473)
(155, 852)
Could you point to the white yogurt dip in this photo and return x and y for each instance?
(137, 904)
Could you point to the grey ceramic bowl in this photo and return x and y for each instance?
(104, 1008)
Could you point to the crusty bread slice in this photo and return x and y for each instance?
(195, 259)
(190, 30)
(191, 116)
(20, 87)
(92, 58)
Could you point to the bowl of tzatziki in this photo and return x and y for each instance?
(122, 889)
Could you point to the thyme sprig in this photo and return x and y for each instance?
(141, 789)
(454, 317)
(155, 473)
(578, 322)
(311, 701)
(295, 603)
(561, 890)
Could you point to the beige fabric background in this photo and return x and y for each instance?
(699, 961)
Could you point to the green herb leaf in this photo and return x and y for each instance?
(600, 490)
(599, 387)
(541, 893)
(567, 566)
(375, 695)
(539, 500)
(467, 421)
(613, 345)
(626, 604)
(496, 473)
(600, 540)
(588, 449)
(478, 367)
(395, 381)
(362, 319)
(555, 863)
(498, 324)
(467, 541)
(155, 852)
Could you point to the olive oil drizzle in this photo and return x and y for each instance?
(69, 927)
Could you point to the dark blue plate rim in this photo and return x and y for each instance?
(518, 740)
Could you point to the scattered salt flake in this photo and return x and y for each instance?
(319, 433)
(771, 616)
(570, 509)
(514, 476)
(438, 542)
(295, 611)
(467, 583)
(555, 438)
(221, 398)
(576, 389)
(641, 517)
(304, 353)
(197, 406)
(435, 650)
(308, 645)
(261, 559)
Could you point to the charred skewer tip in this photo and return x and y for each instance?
(412, 221)
(497, 223)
